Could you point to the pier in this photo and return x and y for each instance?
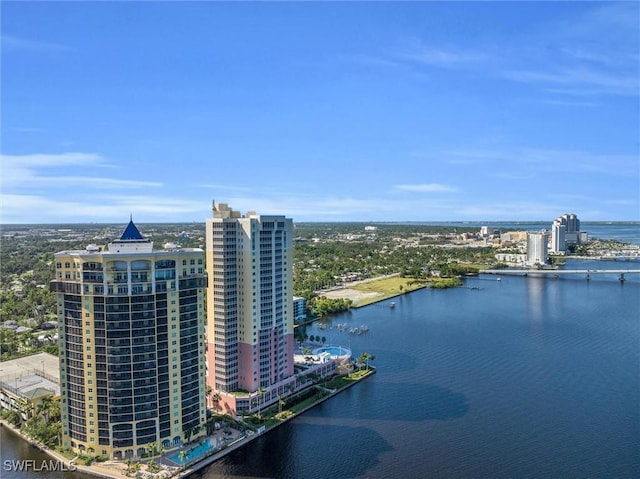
(556, 273)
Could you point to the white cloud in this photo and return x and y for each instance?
(596, 81)
(55, 159)
(40, 209)
(415, 50)
(509, 211)
(544, 160)
(26, 172)
(427, 188)
(10, 42)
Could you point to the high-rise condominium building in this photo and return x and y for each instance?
(565, 230)
(249, 306)
(537, 248)
(131, 329)
(558, 237)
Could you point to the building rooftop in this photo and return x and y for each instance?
(25, 366)
(33, 372)
(131, 232)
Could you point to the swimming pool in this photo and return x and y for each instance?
(193, 453)
(334, 351)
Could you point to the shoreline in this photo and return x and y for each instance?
(68, 463)
(104, 471)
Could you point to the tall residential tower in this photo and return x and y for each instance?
(249, 306)
(131, 328)
(565, 230)
(537, 248)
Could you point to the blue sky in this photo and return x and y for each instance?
(323, 111)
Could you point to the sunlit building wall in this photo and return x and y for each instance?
(249, 300)
(131, 328)
(537, 248)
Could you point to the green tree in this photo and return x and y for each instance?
(217, 397)
(364, 358)
(261, 392)
(182, 456)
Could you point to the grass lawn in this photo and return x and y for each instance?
(387, 287)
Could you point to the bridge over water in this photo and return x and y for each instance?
(556, 273)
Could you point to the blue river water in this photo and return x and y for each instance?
(522, 377)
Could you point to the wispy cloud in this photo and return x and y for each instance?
(24, 208)
(415, 51)
(544, 160)
(218, 186)
(366, 60)
(27, 172)
(596, 53)
(570, 103)
(596, 81)
(25, 130)
(55, 159)
(510, 210)
(10, 42)
(427, 188)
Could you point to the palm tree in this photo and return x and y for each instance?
(365, 358)
(217, 397)
(130, 466)
(209, 390)
(261, 392)
(182, 455)
(281, 403)
(45, 407)
(152, 447)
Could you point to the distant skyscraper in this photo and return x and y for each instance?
(537, 248)
(249, 305)
(558, 240)
(131, 327)
(565, 230)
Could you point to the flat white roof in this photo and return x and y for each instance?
(24, 367)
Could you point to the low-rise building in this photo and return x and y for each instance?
(26, 381)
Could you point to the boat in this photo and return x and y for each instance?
(392, 304)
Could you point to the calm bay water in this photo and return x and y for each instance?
(523, 377)
(526, 377)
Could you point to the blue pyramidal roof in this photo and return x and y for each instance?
(131, 232)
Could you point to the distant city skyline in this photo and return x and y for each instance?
(320, 111)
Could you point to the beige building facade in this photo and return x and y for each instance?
(131, 336)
